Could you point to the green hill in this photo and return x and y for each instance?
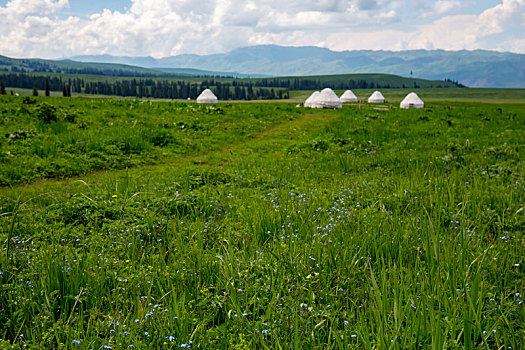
(31, 65)
(352, 81)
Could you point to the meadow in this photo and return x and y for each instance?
(166, 225)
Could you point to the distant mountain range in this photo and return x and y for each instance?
(479, 68)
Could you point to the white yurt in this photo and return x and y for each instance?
(348, 96)
(327, 99)
(310, 100)
(412, 101)
(207, 97)
(376, 97)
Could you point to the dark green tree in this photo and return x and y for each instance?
(35, 91)
(47, 87)
(2, 88)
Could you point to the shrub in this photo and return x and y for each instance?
(161, 138)
(47, 113)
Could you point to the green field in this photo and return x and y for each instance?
(166, 225)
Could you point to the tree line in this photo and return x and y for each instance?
(30, 66)
(236, 89)
(143, 88)
(316, 84)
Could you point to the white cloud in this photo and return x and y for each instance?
(20, 8)
(445, 6)
(498, 28)
(169, 27)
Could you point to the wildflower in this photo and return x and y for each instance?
(76, 341)
(264, 331)
(114, 196)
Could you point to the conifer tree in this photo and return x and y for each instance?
(2, 88)
(47, 87)
(35, 91)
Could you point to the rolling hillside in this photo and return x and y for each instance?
(107, 68)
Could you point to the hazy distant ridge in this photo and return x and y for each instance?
(478, 68)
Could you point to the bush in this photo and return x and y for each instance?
(47, 113)
(161, 138)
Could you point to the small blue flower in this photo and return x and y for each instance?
(76, 341)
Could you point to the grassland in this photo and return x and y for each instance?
(473, 95)
(271, 227)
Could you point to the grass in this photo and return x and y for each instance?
(355, 228)
(472, 95)
(54, 137)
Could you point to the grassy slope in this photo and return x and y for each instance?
(332, 229)
(382, 79)
(29, 65)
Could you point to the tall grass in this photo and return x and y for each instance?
(343, 229)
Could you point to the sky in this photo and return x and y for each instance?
(162, 28)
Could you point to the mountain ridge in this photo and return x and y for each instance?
(476, 68)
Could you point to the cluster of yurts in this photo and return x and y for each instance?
(328, 99)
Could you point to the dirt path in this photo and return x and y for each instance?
(269, 143)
